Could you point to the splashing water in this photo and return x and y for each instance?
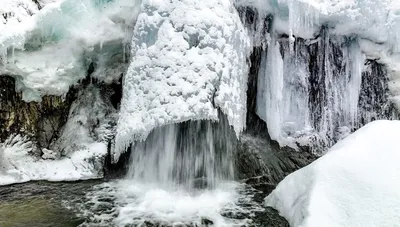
(190, 155)
(128, 203)
(179, 176)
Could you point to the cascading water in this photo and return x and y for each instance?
(190, 154)
(181, 174)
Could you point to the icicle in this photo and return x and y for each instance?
(355, 61)
(302, 18)
(329, 107)
(3, 55)
(13, 54)
(123, 52)
(270, 90)
(292, 25)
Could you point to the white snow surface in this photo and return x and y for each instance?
(18, 164)
(354, 184)
(188, 59)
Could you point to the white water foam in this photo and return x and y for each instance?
(129, 203)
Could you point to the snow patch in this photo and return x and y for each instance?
(354, 184)
(18, 164)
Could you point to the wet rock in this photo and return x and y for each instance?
(41, 121)
(257, 156)
(269, 218)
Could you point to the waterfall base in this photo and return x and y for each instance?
(129, 203)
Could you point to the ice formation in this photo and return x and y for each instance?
(354, 184)
(49, 50)
(189, 58)
(310, 84)
(90, 120)
(311, 90)
(17, 164)
(79, 153)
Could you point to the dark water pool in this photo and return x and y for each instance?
(124, 203)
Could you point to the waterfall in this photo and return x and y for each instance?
(191, 154)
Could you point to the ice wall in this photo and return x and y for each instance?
(189, 58)
(309, 92)
(375, 23)
(310, 84)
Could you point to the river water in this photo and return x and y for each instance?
(129, 203)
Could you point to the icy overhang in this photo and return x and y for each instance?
(189, 58)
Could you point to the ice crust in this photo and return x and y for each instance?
(354, 184)
(189, 58)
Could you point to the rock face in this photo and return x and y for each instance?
(257, 156)
(40, 120)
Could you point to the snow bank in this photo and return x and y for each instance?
(355, 184)
(17, 163)
(78, 154)
(188, 59)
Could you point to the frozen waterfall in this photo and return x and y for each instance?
(310, 90)
(189, 59)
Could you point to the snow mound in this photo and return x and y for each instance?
(17, 163)
(188, 59)
(354, 184)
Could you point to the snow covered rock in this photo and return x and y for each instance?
(188, 59)
(355, 184)
(18, 164)
(76, 150)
